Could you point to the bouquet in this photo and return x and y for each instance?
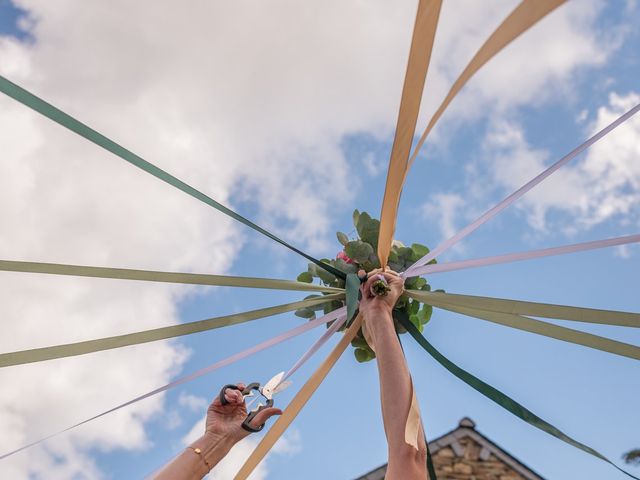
(359, 253)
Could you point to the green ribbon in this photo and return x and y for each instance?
(540, 328)
(162, 333)
(352, 288)
(500, 398)
(53, 113)
(154, 276)
(518, 307)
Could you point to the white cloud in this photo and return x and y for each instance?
(244, 100)
(603, 185)
(289, 444)
(445, 209)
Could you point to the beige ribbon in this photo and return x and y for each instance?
(154, 276)
(162, 333)
(518, 307)
(538, 327)
(299, 401)
(424, 32)
(525, 15)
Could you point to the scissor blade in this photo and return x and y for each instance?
(282, 386)
(269, 388)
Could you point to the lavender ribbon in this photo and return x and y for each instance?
(515, 257)
(411, 271)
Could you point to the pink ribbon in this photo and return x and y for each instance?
(515, 257)
(411, 271)
(221, 363)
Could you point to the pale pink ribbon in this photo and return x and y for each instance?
(221, 363)
(410, 272)
(515, 257)
(335, 326)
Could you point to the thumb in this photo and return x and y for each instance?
(264, 415)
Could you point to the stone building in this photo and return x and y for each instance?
(466, 454)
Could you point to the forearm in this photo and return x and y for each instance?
(191, 465)
(395, 381)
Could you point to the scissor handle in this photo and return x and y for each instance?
(252, 414)
(247, 390)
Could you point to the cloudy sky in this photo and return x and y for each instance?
(285, 111)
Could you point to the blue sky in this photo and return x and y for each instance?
(588, 394)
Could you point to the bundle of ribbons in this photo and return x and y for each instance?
(511, 313)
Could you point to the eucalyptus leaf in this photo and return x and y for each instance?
(358, 251)
(305, 313)
(363, 355)
(342, 238)
(305, 277)
(356, 217)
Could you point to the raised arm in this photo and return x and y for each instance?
(223, 430)
(396, 390)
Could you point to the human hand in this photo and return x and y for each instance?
(225, 421)
(371, 304)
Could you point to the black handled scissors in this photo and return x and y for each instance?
(273, 386)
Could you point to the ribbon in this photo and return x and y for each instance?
(352, 289)
(211, 368)
(518, 307)
(424, 32)
(28, 99)
(515, 257)
(299, 401)
(523, 17)
(550, 330)
(500, 398)
(489, 214)
(154, 276)
(107, 343)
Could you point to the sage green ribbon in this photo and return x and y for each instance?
(162, 333)
(500, 398)
(546, 329)
(352, 289)
(517, 307)
(154, 276)
(61, 118)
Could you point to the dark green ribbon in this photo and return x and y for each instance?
(500, 398)
(53, 113)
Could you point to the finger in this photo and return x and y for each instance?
(264, 415)
(241, 386)
(233, 396)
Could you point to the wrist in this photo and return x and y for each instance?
(213, 447)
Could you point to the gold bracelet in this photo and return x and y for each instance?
(198, 452)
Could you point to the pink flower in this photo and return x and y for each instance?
(343, 256)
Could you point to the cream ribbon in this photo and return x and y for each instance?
(299, 401)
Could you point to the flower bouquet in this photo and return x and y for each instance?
(359, 253)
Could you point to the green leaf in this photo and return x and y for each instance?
(356, 217)
(419, 283)
(419, 251)
(305, 277)
(325, 276)
(358, 251)
(416, 321)
(425, 313)
(368, 229)
(414, 306)
(305, 313)
(363, 355)
(342, 238)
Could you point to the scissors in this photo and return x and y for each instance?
(273, 386)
